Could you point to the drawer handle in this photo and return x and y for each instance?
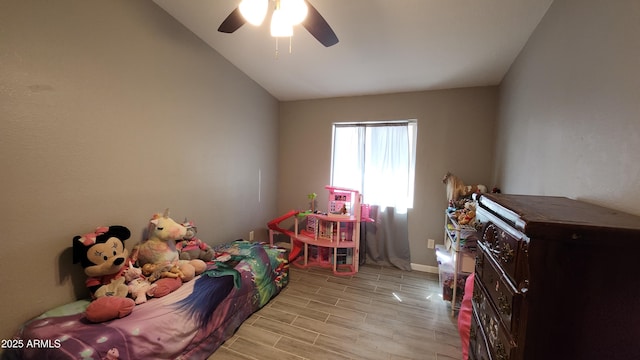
(506, 253)
(501, 353)
(503, 304)
(477, 298)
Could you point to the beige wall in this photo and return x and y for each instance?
(455, 133)
(111, 111)
(569, 115)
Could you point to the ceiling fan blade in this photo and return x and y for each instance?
(317, 26)
(232, 22)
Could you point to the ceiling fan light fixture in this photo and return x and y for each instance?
(280, 24)
(296, 10)
(254, 11)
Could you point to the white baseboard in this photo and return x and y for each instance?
(425, 268)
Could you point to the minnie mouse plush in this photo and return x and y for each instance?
(103, 256)
(105, 260)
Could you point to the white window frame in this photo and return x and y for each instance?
(412, 129)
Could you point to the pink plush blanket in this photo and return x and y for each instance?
(464, 316)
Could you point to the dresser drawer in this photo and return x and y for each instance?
(478, 348)
(499, 342)
(505, 299)
(507, 246)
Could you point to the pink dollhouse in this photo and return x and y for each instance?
(330, 239)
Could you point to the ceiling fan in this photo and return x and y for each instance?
(315, 24)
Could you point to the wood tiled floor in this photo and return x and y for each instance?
(379, 313)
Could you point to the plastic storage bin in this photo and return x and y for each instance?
(446, 275)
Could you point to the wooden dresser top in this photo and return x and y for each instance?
(528, 212)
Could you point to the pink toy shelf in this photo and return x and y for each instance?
(330, 239)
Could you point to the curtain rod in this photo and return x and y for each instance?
(374, 123)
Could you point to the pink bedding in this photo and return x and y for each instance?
(464, 316)
(190, 323)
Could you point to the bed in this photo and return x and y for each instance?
(190, 323)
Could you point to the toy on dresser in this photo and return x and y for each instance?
(190, 247)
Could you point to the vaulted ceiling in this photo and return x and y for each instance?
(385, 46)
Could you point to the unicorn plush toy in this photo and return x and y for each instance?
(160, 248)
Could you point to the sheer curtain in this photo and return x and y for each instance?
(379, 160)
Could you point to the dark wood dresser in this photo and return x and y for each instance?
(555, 278)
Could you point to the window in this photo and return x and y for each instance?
(378, 159)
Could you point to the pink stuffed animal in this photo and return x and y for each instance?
(139, 286)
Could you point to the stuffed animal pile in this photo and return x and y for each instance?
(467, 214)
(116, 279)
